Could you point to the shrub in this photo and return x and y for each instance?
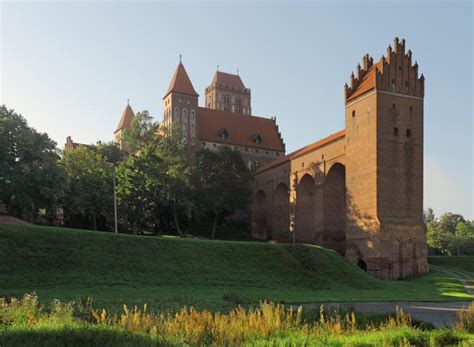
(465, 319)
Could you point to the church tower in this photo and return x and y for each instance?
(384, 132)
(227, 93)
(124, 123)
(181, 105)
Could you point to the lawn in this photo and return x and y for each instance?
(69, 264)
(463, 264)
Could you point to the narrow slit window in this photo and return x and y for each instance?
(408, 132)
(395, 131)
(393, 106)
(353, 113)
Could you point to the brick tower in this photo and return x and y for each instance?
(181, 105)
(228, 93)
(384, 169)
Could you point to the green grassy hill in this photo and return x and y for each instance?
(66, 263)
(463, 264)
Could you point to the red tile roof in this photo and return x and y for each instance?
(241, 129)
(228, 79)
(367, 82)
(299, 152)
(126, 119)
(180, 83)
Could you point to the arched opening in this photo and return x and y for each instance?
(259, 215)
(335, 208)
(281, 210)
(362, 265)
(305, 209)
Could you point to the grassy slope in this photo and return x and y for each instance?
(463, 264)
(66, 264)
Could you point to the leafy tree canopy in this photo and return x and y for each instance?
(30, 179)
(90, 188)
(223, 182)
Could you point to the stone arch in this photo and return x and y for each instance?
(281, 213)
(259, 215)
(334, 235)
(305, 209)
(362, 264)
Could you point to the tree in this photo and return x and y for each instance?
(30, 179)
(439, 239)
(139, 182)
(156, 181)
(463, 239)
(177, 186)
(223, 182)
(429, 216)
(90, 190)
(110, 152)
(141, 132)
(449, 221)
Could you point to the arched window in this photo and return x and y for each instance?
(176, 114)
(193, 114)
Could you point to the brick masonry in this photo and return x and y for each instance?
(360, 191)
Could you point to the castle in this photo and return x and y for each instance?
(226, 120)
(358, 191)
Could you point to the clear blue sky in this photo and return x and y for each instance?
(70, 67)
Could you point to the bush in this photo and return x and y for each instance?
(465, 319)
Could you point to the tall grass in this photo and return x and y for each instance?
(268, 323)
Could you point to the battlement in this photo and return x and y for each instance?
(392, 73)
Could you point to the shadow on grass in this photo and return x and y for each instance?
(78, 336)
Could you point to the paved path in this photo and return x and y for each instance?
(439, 313)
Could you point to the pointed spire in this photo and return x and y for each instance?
(126, 119)
(180, 58)
(180, 83)
(238, 72)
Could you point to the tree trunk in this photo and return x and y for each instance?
(176, 223)
(214, 225)
(94, 220)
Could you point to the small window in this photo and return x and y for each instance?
(408, 132)
(302, 164)
(257, 139)
(226, 99)
(226, 108)
(237, 101)
(238, 110)
(393, 80)
(400, 68)
(411, 109)
(395, 131)
(322, 156)
(393, 106)
(406, 83)
(353, 113)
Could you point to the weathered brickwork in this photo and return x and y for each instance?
(359, 191)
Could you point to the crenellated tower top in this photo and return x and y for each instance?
(392, 73)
